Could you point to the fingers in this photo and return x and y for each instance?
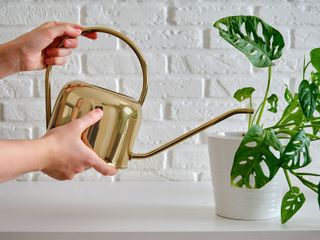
(56, 61)
(64, 29)
(87, 120)
(91, 35)
(58, 52)
(101, 166)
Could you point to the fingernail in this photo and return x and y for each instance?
(99, 111)
(78, 31)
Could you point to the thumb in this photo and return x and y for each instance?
(87, 120)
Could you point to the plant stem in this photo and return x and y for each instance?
(291, 124)
(304, 69)
(305, 174)
(250, 115)
(255, 114)
(308, 184)
(287, 177)
(265, 96)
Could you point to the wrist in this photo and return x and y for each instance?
(48, 145)
(10, 60)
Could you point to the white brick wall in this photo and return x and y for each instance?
(193, 72)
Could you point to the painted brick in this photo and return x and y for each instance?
(306, 38)
(208, 63)
(103, 42)
(226, 86)
(205, 14)
(291, 15)
(153, 163)
(15, 132)
(27, 111)
(122, 63)
(59, 80)
(165, 87)
(165, 175)
(152, 110)
(7, 36)
(137, 176)
(158, 132)
(126, 15)
(15, 87)
(200, 109)
(190, 158)
(36, 14)
(167, 39)
(290, 62)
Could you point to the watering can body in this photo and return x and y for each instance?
(113, 137)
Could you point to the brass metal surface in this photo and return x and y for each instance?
(113, 137)
(193, 132)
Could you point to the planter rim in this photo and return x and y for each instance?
(226, 135)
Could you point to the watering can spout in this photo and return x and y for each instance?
(192, 132)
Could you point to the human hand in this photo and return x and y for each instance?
(39, 47)
(69, 154)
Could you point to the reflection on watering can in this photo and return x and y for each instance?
(113, 137)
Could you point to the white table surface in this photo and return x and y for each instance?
(133, 210)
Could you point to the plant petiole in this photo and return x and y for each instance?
(265, 96)
(287, 178)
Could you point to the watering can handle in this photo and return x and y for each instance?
(111, 32)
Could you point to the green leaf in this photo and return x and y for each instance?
(315, 58)
(291, 203)
(243, 93)
(260, 42)
(292, 114)
(288, 95)
(255, 163)
(307, 98)
(296, 154)
(315, 78)
(273, 101)
(315, 124)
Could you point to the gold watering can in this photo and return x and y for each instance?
(113, 137)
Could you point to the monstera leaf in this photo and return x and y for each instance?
(292, 114)
(260, 42)
(243, 93)
(296, 154)
(288, 95)
(273, 101)
(291, 203)
(255, 163)
(315, 58)
(307, 98)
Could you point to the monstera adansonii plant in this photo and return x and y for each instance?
(264, 151)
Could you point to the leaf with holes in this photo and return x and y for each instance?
(315, 58)
(243, 93)
(307, 98)
(292, 114)
(260, 42)
(296, 154)
(255, 162)
(291, 203)
(288, 95)
(273, 101)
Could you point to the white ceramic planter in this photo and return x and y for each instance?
(239, 203)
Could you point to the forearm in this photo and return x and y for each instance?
(9, 59)
(19, 157)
